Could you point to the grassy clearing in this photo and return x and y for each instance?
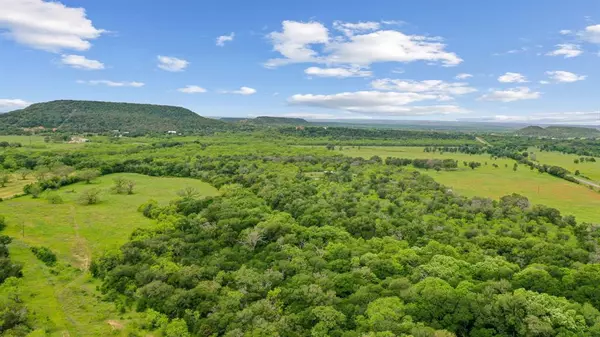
(491, 182)
(15, 186)
(589, 169)
(66, 294)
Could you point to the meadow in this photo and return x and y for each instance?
(588, 169)
(487, 181)
(65, 296)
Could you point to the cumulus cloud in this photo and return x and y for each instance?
(376, 103)
(8, 104)
(113, 83)
(511, 95)
(46, 25)
(81, 62)
(435, 87)
(246, 91)
(568, 50)
(173, 64)
(463, 76)
(361, 44)
(337, 72)
(295, 40)
(565, 32)
(192, 89)
(512, 78)
(591, 34)
(564, 76)
(225, 38)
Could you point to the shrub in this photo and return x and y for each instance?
(54, 199)
(2, 222)
(45, 255)
(90, 197)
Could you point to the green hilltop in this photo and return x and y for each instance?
(99, 117)
(559, 132)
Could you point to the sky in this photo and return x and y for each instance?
(532, 61)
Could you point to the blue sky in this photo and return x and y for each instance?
(525, 61)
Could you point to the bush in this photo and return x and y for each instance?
(90, 197)
(45, 255)
(54, 199)
(2, 222)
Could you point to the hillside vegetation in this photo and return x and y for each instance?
(267, 120)
(559, 132)
(92, 116)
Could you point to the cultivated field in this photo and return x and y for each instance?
(491, 182)
(66, 293)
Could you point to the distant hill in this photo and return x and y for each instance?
(94, 116)
(559, 132)
(267, 121)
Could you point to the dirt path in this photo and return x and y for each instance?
(81, 250)
(585, 182)
(482, 141)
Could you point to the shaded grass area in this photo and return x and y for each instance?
(64, 298)
(487, 181)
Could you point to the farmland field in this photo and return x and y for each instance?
(494, 183)
(77, 233)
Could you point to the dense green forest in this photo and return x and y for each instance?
(101, 117)
(306, 242)
(267, 121)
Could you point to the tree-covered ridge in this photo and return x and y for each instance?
(332, 246)
(559, 132)
(101, 117)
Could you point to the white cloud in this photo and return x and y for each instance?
(591, 34)
(337, 72)
(242, 91)
(573, 118)
(81, 62)
(565, 76)
(544, 82)
(293, 43)
(565, 32)
(45, 25)
(224, 38)
(434, 87)
(192, 89)
(567, 50)
(169, 63)
(352, 28)
(463, 76)
(112, 83)
(360, 45)
(7, 104)
(511, 95)
(389, 46)
(512, 78)
(376, 103)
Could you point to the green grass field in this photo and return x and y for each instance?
(589, 169)
(66, 293)
(15, 186)
(487, 181)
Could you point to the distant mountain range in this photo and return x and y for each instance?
(98, 117)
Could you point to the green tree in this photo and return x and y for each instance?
(88, 175)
